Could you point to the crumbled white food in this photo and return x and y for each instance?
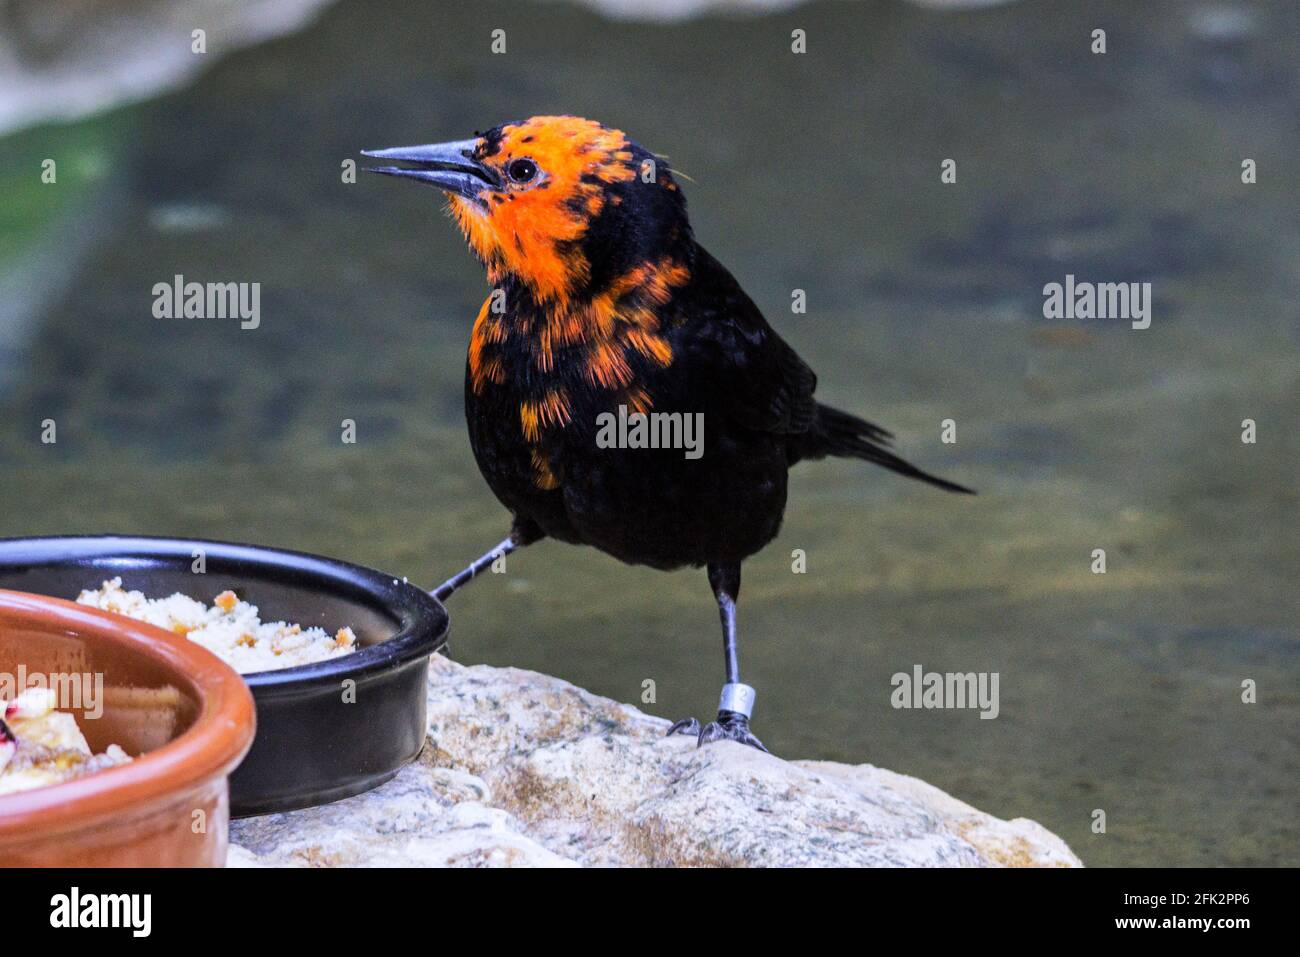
(229, 628)
(40, 746)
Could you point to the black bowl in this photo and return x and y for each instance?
(325, 731)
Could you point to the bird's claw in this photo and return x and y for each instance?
(730, 726)
(685, 726)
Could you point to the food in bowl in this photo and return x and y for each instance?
(146, 812)
(229, 628)
(40, 746)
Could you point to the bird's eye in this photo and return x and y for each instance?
(522, 170)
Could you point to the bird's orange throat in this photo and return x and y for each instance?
(545, 257)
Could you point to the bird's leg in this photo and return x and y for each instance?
(443, 591)
(523, 532)
(737, 701)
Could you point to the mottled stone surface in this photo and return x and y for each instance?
(522, 769)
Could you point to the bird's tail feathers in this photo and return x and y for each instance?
(846, 436)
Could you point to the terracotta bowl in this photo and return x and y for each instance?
(183, 714)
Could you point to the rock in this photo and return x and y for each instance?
(522, 769)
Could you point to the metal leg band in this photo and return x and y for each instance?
(738, 698)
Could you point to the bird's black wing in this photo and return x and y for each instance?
(753, 375)
(761, 383)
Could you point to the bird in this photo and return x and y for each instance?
(604, 304)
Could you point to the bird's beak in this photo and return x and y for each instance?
(449, 166)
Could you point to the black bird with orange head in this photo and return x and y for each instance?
(605, 309)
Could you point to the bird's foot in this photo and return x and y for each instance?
(730, 726)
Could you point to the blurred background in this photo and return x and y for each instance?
(817, 171)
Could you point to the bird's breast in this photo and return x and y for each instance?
(554, 367)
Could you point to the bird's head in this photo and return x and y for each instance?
(563, 205)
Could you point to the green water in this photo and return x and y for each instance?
(1119, 692)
